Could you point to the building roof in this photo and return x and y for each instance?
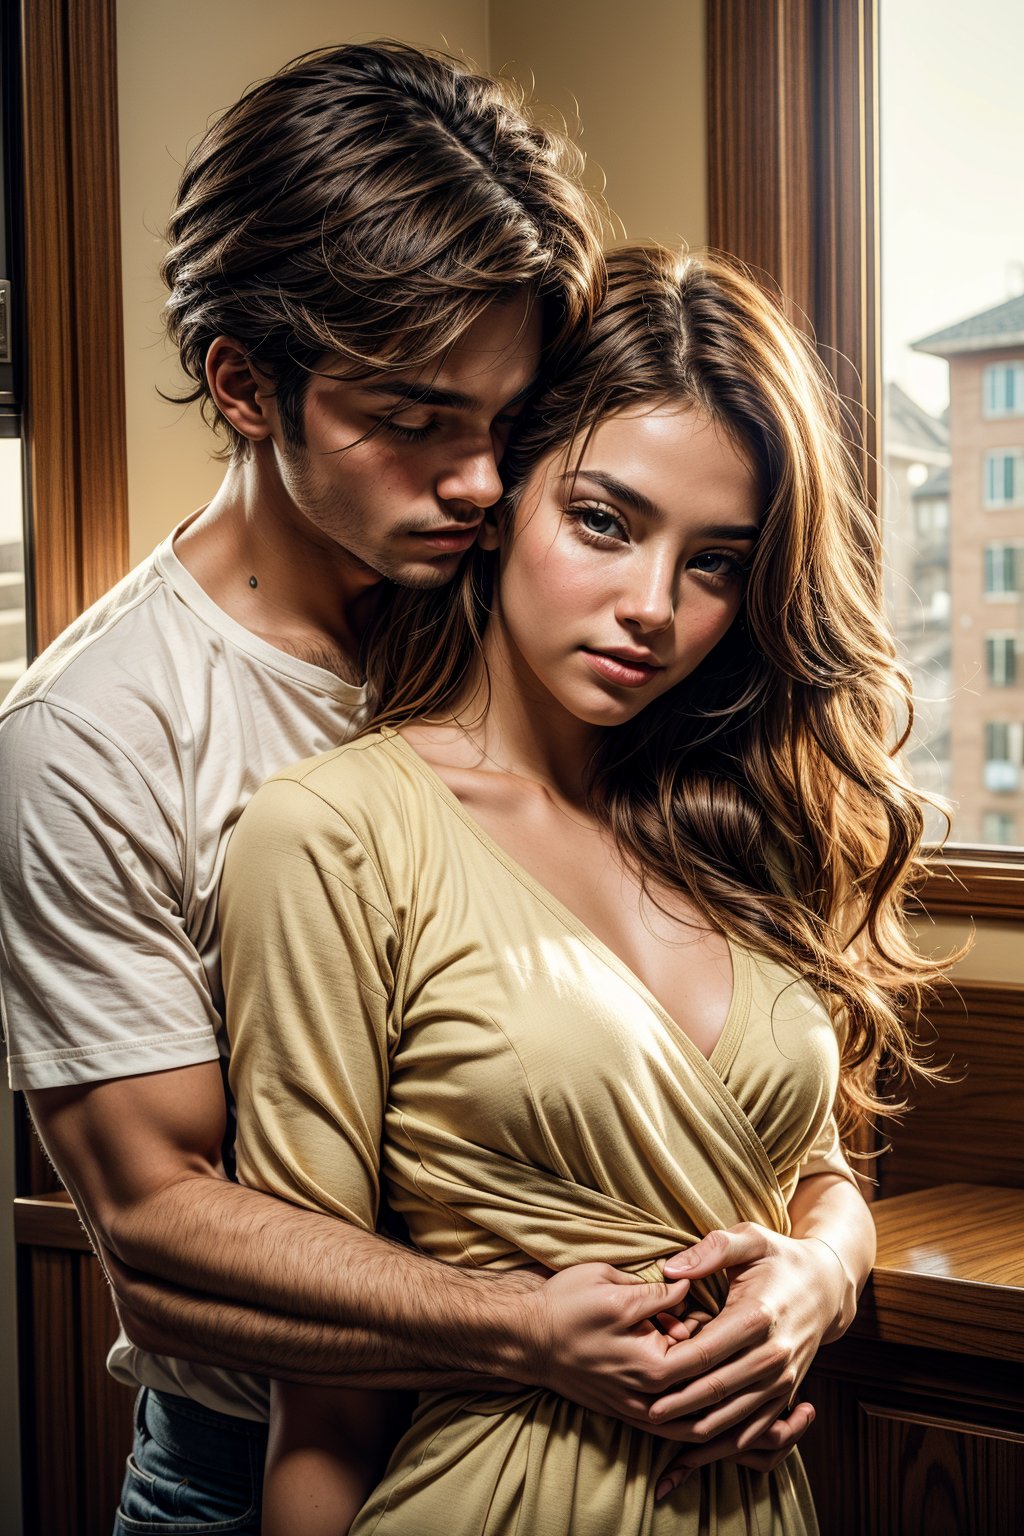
(1001, 326)
(909, 430)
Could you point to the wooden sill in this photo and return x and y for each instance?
(974, 882)
(949, 1272)
(49, 1221)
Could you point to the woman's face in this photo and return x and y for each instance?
(621, 573)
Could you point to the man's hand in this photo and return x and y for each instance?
(597, 1336)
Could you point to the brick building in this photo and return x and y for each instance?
(985, 354)
(915, 530)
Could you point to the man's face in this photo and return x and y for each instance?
(407, 502)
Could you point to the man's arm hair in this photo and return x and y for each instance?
(207, 1269)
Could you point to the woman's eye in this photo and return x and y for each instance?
(599, 522)
(717, 562)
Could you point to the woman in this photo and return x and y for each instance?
(579, 951)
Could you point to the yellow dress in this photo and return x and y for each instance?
(410, 1012)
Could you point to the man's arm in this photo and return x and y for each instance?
(211, 1270)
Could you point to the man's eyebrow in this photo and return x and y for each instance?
(408, 392)
(650, 509)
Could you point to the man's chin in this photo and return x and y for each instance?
(423, 575)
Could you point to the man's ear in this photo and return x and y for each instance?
(489, 536)
(242, 395)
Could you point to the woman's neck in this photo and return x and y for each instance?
(517, 727)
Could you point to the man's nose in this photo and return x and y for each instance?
(474, 479)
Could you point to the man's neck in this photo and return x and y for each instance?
(290, 587)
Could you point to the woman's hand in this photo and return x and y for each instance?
(787, 1295)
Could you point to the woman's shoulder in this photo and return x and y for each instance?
(365, 785)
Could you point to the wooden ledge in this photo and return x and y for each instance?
(949, 1272)
(49, 1221)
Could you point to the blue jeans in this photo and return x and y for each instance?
(191, 1470)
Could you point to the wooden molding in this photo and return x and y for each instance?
(793, 182)
(49, 1221)
(74, 378)
(970, 1128)
(972, 883)
(949, 1272)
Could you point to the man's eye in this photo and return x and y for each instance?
(411, 432)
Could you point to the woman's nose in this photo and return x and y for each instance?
(649, 602)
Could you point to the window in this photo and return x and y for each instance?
(931, 517)
(1004, 741)
(1003, 389)
(1001, 658)
(898, 186)
(1004, 570)
(1004, 478)
(998, 827)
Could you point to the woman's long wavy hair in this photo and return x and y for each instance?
(767, 785)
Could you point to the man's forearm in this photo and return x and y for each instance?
(261, 1285)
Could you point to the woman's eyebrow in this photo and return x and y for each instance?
(650, 509)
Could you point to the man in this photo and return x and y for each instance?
(370, 254)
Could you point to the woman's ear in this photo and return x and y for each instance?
(243, 396)
(489, 536)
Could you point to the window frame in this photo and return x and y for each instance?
(793, 191)
(75, 436)
(1013, 455)
(992, 412)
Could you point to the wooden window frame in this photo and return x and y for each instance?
(76, 476)
(793, 191)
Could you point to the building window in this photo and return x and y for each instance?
(998, 827)
(1004, 479)
(1004, 570)
(1004, 753)
(931, 517)
(1001, 658)
(1004, 389)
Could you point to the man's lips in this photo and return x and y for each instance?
(457, 536)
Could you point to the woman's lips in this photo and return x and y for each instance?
(617, 669)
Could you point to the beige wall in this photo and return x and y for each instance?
(635, 74)
(640, 89)
(178, 65)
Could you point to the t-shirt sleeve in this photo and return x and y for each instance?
(98, 975)
(825, 1155)
(309, 946)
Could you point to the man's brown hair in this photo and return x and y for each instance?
(370, 201)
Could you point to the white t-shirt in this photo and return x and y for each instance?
(126, 755)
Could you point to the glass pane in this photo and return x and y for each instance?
(13, 648)
(952, 124)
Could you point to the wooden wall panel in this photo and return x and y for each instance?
(78, 1423)
(971, 1129)
(106, 1429)
(931, 1477)
(51, 1495)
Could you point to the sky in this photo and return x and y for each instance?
(952, 166)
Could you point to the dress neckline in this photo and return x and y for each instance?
(726, 1045)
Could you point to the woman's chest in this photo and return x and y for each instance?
(657, 935)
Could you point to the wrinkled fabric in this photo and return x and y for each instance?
(413, 1016)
